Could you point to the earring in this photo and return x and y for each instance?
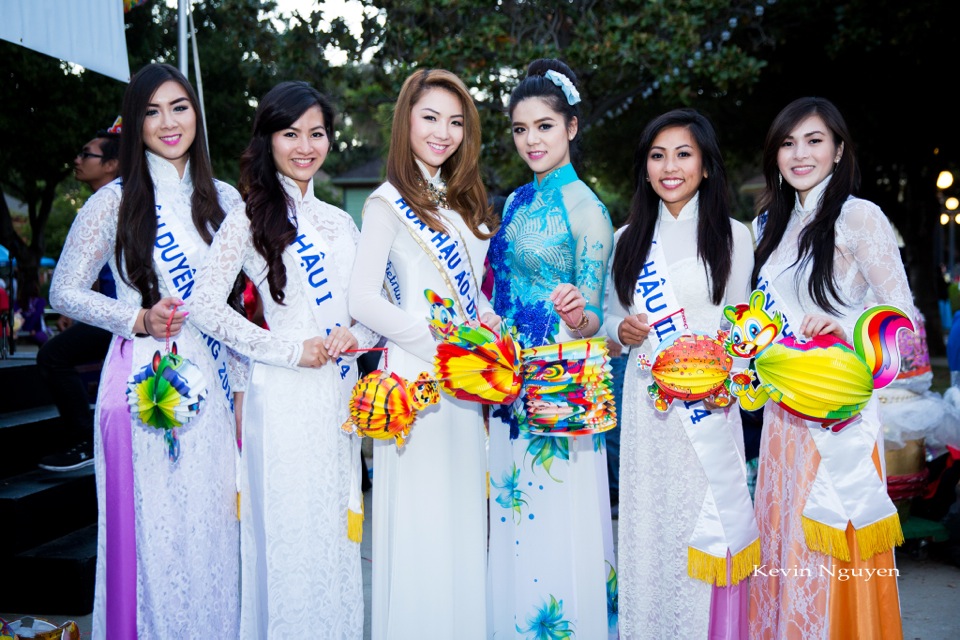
(780, 179)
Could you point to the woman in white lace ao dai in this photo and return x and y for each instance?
(300, 472)
(167, 549)
(821, 250)
(679, 239)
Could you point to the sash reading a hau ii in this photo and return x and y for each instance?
(847, 487)
(310, 251)
(329, 307)
(447, 251)
(726, 524)
(176, 254)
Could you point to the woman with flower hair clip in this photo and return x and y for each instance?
(551, 540)
(424, 237)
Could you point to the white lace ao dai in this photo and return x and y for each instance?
(301, 574)
(662, 483)
(185, 513)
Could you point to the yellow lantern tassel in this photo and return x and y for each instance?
(703, 566)
(825, 539)
(713, 570)
(880, 536)
(745, 561)
(355, 525)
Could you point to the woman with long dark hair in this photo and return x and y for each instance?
(424, 237)
(301, 570)
(551, 536)
(821, 501)
(679, 259)
(168, 556)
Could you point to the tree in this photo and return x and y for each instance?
(869, 58)
(632, 59)
(49, 112)
(52, 107)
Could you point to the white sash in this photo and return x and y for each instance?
(447, 251)
(847, 487)
(310, 251)
(176, 252)
(726, 524)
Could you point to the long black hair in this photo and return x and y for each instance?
(714, 234)
(818, 239)
(537, 85)
(265, 198)
(137, 220)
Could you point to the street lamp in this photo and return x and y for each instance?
(944, 182)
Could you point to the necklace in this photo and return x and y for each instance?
(436, 193)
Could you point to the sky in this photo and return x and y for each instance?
(348, 9)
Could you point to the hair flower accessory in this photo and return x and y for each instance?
(562, 81)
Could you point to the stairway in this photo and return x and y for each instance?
(48, 530)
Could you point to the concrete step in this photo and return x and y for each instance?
(23, 388)
(40, 506)
(56, 576)
(27, 435)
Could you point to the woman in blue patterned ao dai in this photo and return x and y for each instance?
(551, 545)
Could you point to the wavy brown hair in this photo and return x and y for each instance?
(266, 200)
(465, 191)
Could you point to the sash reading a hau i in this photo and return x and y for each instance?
(726, 522)
(177, 254)
(447, 252)
(847, 487)
(329, 307)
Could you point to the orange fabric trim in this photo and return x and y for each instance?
(866, 604)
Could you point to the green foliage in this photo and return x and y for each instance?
(634, 60)
(71, 195)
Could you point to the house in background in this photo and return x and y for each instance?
(357, 184)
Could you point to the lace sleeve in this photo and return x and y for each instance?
(231, 247)
(873, 244)
(238, 368)
(90, 245)
(367, 306)
(613, 310)
(593, 233)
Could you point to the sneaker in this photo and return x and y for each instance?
(78, 457)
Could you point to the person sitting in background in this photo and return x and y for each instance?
(96, 164)
(28, 308)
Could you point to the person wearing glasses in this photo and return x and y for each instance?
(79, 343)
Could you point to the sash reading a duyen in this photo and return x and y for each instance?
(847, 487)
(176, 254)
(726, 522)
(447, 251)
(310, 251)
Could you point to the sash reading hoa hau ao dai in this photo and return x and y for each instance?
(847, 487)
(726, 522)
(447, 252)
(311, 251)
